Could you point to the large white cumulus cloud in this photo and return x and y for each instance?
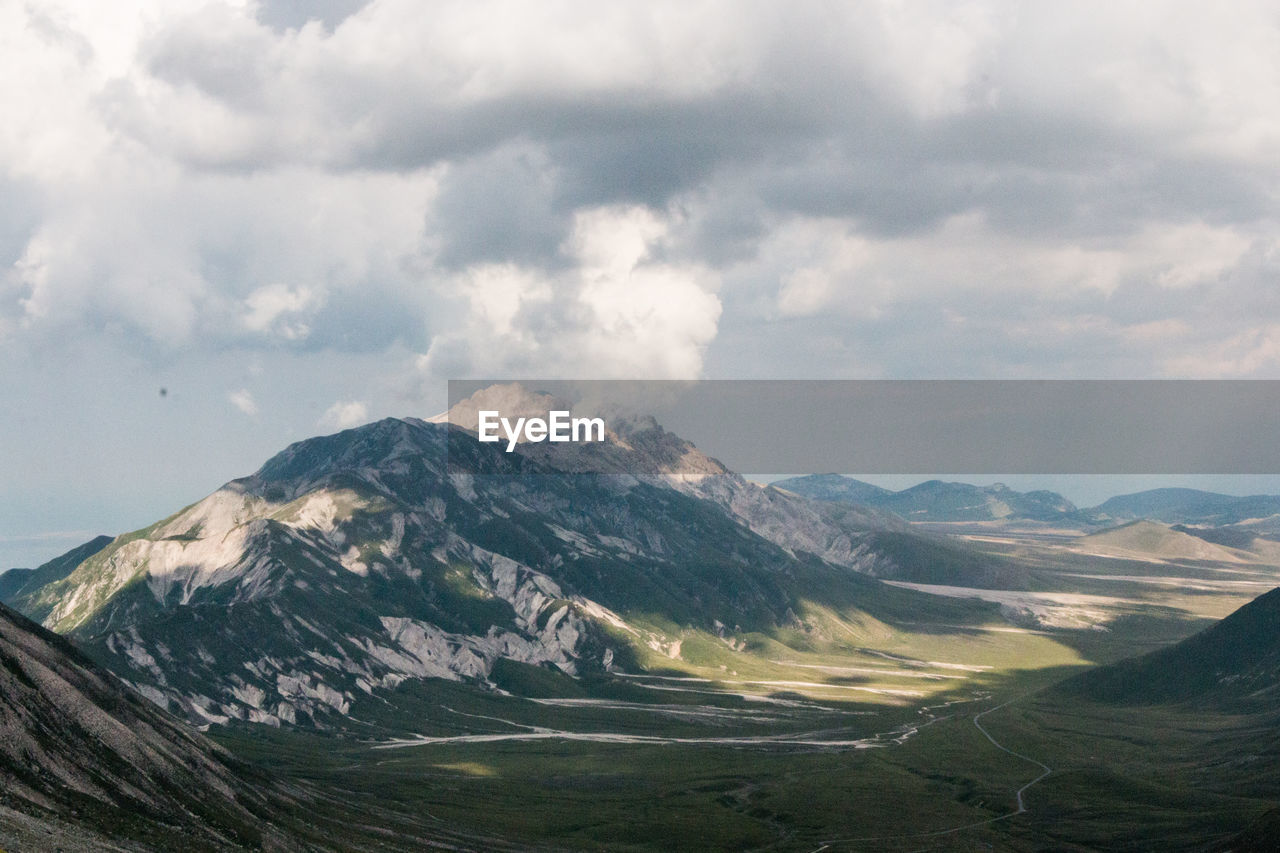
(614, 312)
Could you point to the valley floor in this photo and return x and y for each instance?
(901, 735)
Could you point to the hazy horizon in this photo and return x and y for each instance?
(1083, 490)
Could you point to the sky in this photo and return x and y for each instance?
(229, 226)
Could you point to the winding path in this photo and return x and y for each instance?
(1022, 807)
(1047, 769)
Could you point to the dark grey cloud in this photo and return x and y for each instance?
(502, 206)
(20, 215)
(291, 14)
(890, 172)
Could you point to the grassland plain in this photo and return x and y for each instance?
(850, 735)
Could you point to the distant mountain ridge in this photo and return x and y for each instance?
(1190, 506)
(936, 500)
(939, 501)
(833, 487)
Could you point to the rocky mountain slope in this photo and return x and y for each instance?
(84, 758)
(408, 550)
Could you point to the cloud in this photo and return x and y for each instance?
(287, 14)
(1252, 352)
(353, 176)
(276, 308)
(616, 310)
(824, 265)
(344, 415)
(243, 400)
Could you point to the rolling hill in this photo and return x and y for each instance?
(1152, 539)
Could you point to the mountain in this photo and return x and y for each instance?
(88, 763)
(1235, 662)
(833, 487)
(638, 448)
(1189, 506)
(406, 550)
(936, 500)
(14, 581)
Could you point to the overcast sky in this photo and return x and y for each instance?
(295, 217)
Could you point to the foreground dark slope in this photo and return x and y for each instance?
(351, 563)
(1178, 749)
(1234, 663)
(77, 748)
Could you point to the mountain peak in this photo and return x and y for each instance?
(512, 399)
(353, 562)
(833, 487)
(634, 444)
